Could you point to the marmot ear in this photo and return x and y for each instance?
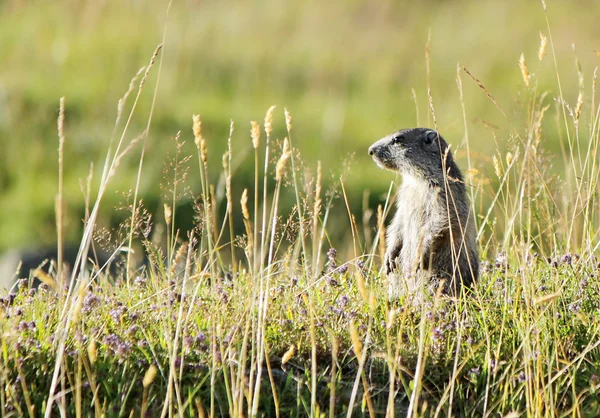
(430, 137)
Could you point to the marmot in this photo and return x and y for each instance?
(432, 236)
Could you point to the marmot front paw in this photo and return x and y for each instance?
(391, 262)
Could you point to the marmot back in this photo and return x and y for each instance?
(432, 236)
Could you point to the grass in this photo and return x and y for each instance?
(260, 309)
(507, 347)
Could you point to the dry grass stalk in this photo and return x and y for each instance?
(168, 213)
(489, 95)
(264, 223)
(149, 67)
(267, 227)
(269, 120)
(356, 343)
(198, 138)
(318, 202)
(248, 225)
(92, 351)
(509, 158)
(288, 120)
(145, 136)
(332, 390)
(287, 356)
(543, 45)
(594, 82)
(45, 278)
(416, 103)
(285, 155)
(229, 196)
(79, 301)
(25, 392)
(524, 70)
(244, 203)
(197, 129)
(255, 134)
(225, 164)
(272, 380)
(59, 198)
(381, 231)
(178, 259)
(123, 100)
(315, 221)
(497, 166)
(199, 408)
(149, 376)
(578, 107)
(546, 298)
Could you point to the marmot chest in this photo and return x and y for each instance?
(422, 218)
(419, 203)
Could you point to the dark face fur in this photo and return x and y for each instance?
(418, 152)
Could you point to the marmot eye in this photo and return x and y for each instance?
(397, 139)
(429, 138)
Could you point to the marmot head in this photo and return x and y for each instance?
(420, 152)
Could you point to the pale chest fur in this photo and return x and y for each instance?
(419, 217)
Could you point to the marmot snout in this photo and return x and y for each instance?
(432, 236)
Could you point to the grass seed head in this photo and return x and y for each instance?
(79, 301)
(45, 278)
(285, 155)
(288, 120)
(288, 354)
(244, 203)
(197, 128)
(255, 134)
(168, 213)
(269, 120)
(543, 44)
(203, 150)
(391, 317)
(362, 288)
(198, 138)
(149, 67)
(92, 351)
(524, 70)
(61, 122)
(579, 106)
(317, 204)
(497, 167)
(225, 161)
(150, 375)
(546, 298)
(356, 343)
(231, 127)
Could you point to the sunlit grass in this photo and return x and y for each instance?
(261, 308)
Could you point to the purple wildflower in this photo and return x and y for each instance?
(437, 334)
(90, 301)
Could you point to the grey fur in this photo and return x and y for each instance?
(425, 241)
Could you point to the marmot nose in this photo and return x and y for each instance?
(371, 150)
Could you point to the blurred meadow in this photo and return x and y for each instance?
(346, 70)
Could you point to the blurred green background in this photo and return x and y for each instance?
(344, 69)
